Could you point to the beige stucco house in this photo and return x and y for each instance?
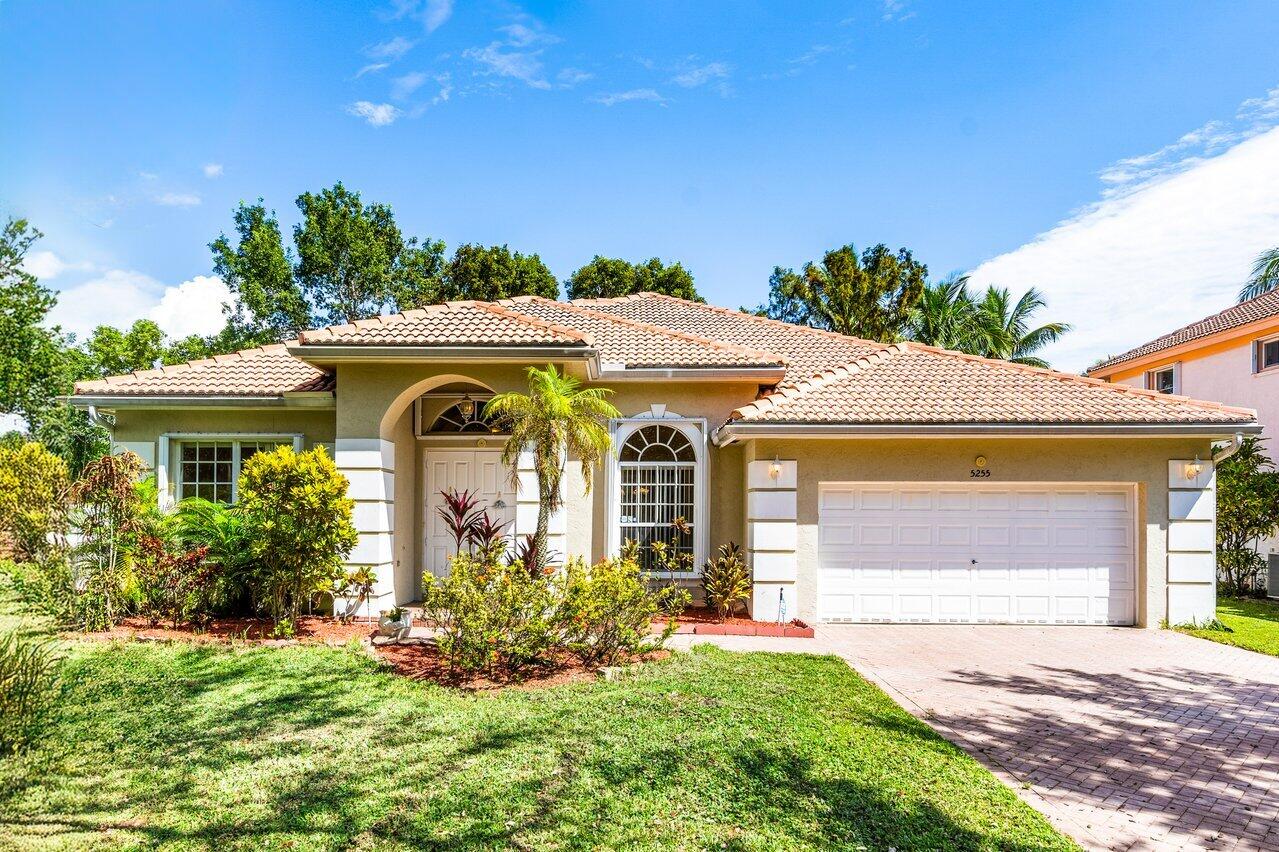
(867, 482)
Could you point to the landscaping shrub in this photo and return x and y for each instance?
(606, 611)
(297, 521)
(33, 500)
(1247, 513)
(108, 513)
(221, 531)
(29, 690)
(44, 585)
(726, 581)
(493, 615)
(181, 587)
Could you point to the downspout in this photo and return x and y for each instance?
(105, 423)
(1236, 442)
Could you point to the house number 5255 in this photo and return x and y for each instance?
(979, 469)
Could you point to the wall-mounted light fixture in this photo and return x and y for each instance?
(1194, 468)
(775, 469)
(467, 405)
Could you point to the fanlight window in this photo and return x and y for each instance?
(466, 416)
(658, 472)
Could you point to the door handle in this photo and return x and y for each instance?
(974, 561)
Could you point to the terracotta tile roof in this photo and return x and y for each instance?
(912, 384)
(449, 324)
(268, 371)
(635, 344)
(1263, 307)
(806, 350)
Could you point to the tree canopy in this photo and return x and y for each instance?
(488, 273)
(869, 296)
(608, 277)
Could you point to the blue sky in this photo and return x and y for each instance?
(1119, 156)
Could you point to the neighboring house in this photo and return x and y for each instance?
(868, 482)
(1231, 357)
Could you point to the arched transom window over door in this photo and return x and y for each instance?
(658, 467)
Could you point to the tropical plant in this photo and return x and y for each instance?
(487, 535)
(556, 419)
(607, 611)
(869, 296)
(29, 689)
(459, 513)
(1247, 512)
(946, 316)
(107, 514)
(179, 587)
(297, 519)
(359, 583)
(1265, 275)
(525, 553)
(33, 500)
(726, 580)
(491, 616)
(1005, 327)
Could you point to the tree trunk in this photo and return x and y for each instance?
(544, 495)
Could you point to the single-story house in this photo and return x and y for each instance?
(867, 482)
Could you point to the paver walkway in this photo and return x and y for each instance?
(1126, 739)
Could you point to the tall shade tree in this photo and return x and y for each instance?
(33, 370)
(419, 274)
(1265, 275)
(113, 352)
(347, 253)
(258, 269)
(608, 277)
(869, 296)
(946, 316)
(1005, 325)
(488, 273)
(557, 417)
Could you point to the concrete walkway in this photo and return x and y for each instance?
(1125, 739)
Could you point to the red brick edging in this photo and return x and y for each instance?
(795, 630)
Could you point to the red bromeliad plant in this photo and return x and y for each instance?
(486, 534)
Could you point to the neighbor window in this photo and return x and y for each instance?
(210, 469)
(1267, 354)
(658, 468)
(1163, 380)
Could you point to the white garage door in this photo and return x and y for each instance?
(1031, 553)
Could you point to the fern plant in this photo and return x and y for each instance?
(726, 581)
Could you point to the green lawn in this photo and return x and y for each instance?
(186, 747)
(1252, 623)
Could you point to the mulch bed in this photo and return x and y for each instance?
(706, 622)
(311, 629)
(421, 661)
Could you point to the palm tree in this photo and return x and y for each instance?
(1006, 326)
(557, 415)
(1265, 275)
(946, 316)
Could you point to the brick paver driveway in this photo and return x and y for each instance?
(1126, 738)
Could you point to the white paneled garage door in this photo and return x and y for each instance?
(1030, 553)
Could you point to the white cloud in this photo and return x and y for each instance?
(178, 199)
(212, 170)
(895, 10)
(519, 65)
(371, 68)
(446, 88)
(522, 35)
(45, 265)
(402, 87)
(192, 307)
(570, 77)
(811, 55)
(431, 13)
(701, 75)
(1165, 251)
(391, 50)
(631, 95)
(119, 297)
(378, 115)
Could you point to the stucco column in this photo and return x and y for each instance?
(771, 538)
(1192, 542)
(526, 507)
(369, 466)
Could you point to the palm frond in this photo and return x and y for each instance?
(1265, 275)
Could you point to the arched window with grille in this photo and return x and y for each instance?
(465, 416)
(658, 477)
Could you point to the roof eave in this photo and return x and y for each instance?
(616, 373)
(1147, 359)
(325, 355)
(730, 432)
(316, 400)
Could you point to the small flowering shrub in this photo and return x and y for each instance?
(33, 500)
(181, 588)
(726, 581)
(607, 611)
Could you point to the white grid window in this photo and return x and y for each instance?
(211, 469)
(658, 467)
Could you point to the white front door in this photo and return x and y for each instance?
(479, 471)
(1025, 553)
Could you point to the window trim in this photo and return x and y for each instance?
(1258, 355)
(168, 487)
(693, 428)
(1174, 368)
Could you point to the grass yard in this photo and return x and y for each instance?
(1252, 623)
(179, 746)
